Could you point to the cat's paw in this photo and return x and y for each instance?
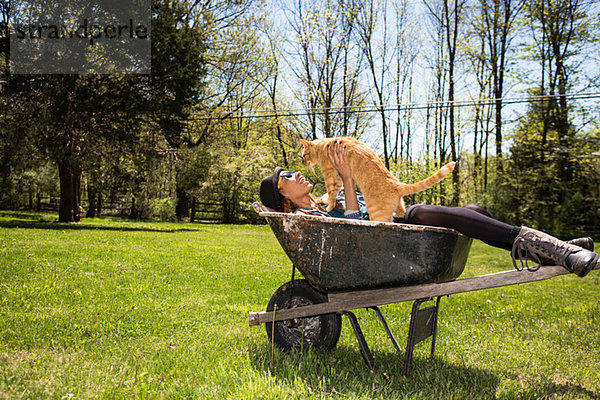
(450, 166)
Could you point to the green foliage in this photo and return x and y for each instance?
(22, 186)
(161, 209)
(229, 173)
(42, 179)
(548, 181)
(178, 65)
(550, 176)
(417, 170)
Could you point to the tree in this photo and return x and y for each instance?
(478, 58)
(448, 18)
(198, 53)
(271, 85)
(352, 122)
(451, 17)
(67, 116)
(377, 62)
(330, 66)
(561, 29)
(406, 55)
(64, 117)
(178, 47)
(531, 192)
(499, 18)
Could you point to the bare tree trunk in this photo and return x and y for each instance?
(451, 23)
(499, 18)
(350, 75)
(367, 26)
(398, 112)
(182, 208)
(92, 197)
(308, 79)
(70, 188)
(427, 135)
(272, 94)
(193, 212)
(409, 114)
(99, 209)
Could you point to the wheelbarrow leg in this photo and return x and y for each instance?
(364, 348)
(386, 327)
(423, 323)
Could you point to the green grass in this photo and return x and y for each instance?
(116, 309)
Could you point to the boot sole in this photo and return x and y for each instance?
(590, 266)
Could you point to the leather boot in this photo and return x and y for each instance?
(583, 242)
(541, 245)
(586, 243)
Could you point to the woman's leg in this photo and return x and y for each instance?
(473, 221)
(584, 242)
(479, 209)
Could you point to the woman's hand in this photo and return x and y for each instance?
(337, 156)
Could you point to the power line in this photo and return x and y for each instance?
(395, 107)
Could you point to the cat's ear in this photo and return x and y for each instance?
(304, 142)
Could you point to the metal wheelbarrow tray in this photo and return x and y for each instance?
(337, 254)
(351, 264)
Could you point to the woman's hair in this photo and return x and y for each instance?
(289, 207)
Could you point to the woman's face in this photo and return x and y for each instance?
(294, 186)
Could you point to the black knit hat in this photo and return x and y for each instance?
(269, 192)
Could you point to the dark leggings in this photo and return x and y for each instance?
(472, 220)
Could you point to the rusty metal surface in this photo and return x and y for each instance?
(339, 254)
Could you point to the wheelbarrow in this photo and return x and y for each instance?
(352, 264)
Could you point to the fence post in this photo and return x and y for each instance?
(193, 212)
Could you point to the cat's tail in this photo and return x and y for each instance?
(428, 182)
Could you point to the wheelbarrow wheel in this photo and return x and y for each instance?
(321, 332)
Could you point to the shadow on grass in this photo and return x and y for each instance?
(33, 221)
(343, 371)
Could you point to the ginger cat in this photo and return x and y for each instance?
(383, 192)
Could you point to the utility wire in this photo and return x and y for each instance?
(371, 108)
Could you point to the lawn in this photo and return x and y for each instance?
(116, 309)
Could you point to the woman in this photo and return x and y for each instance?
(289, 191)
